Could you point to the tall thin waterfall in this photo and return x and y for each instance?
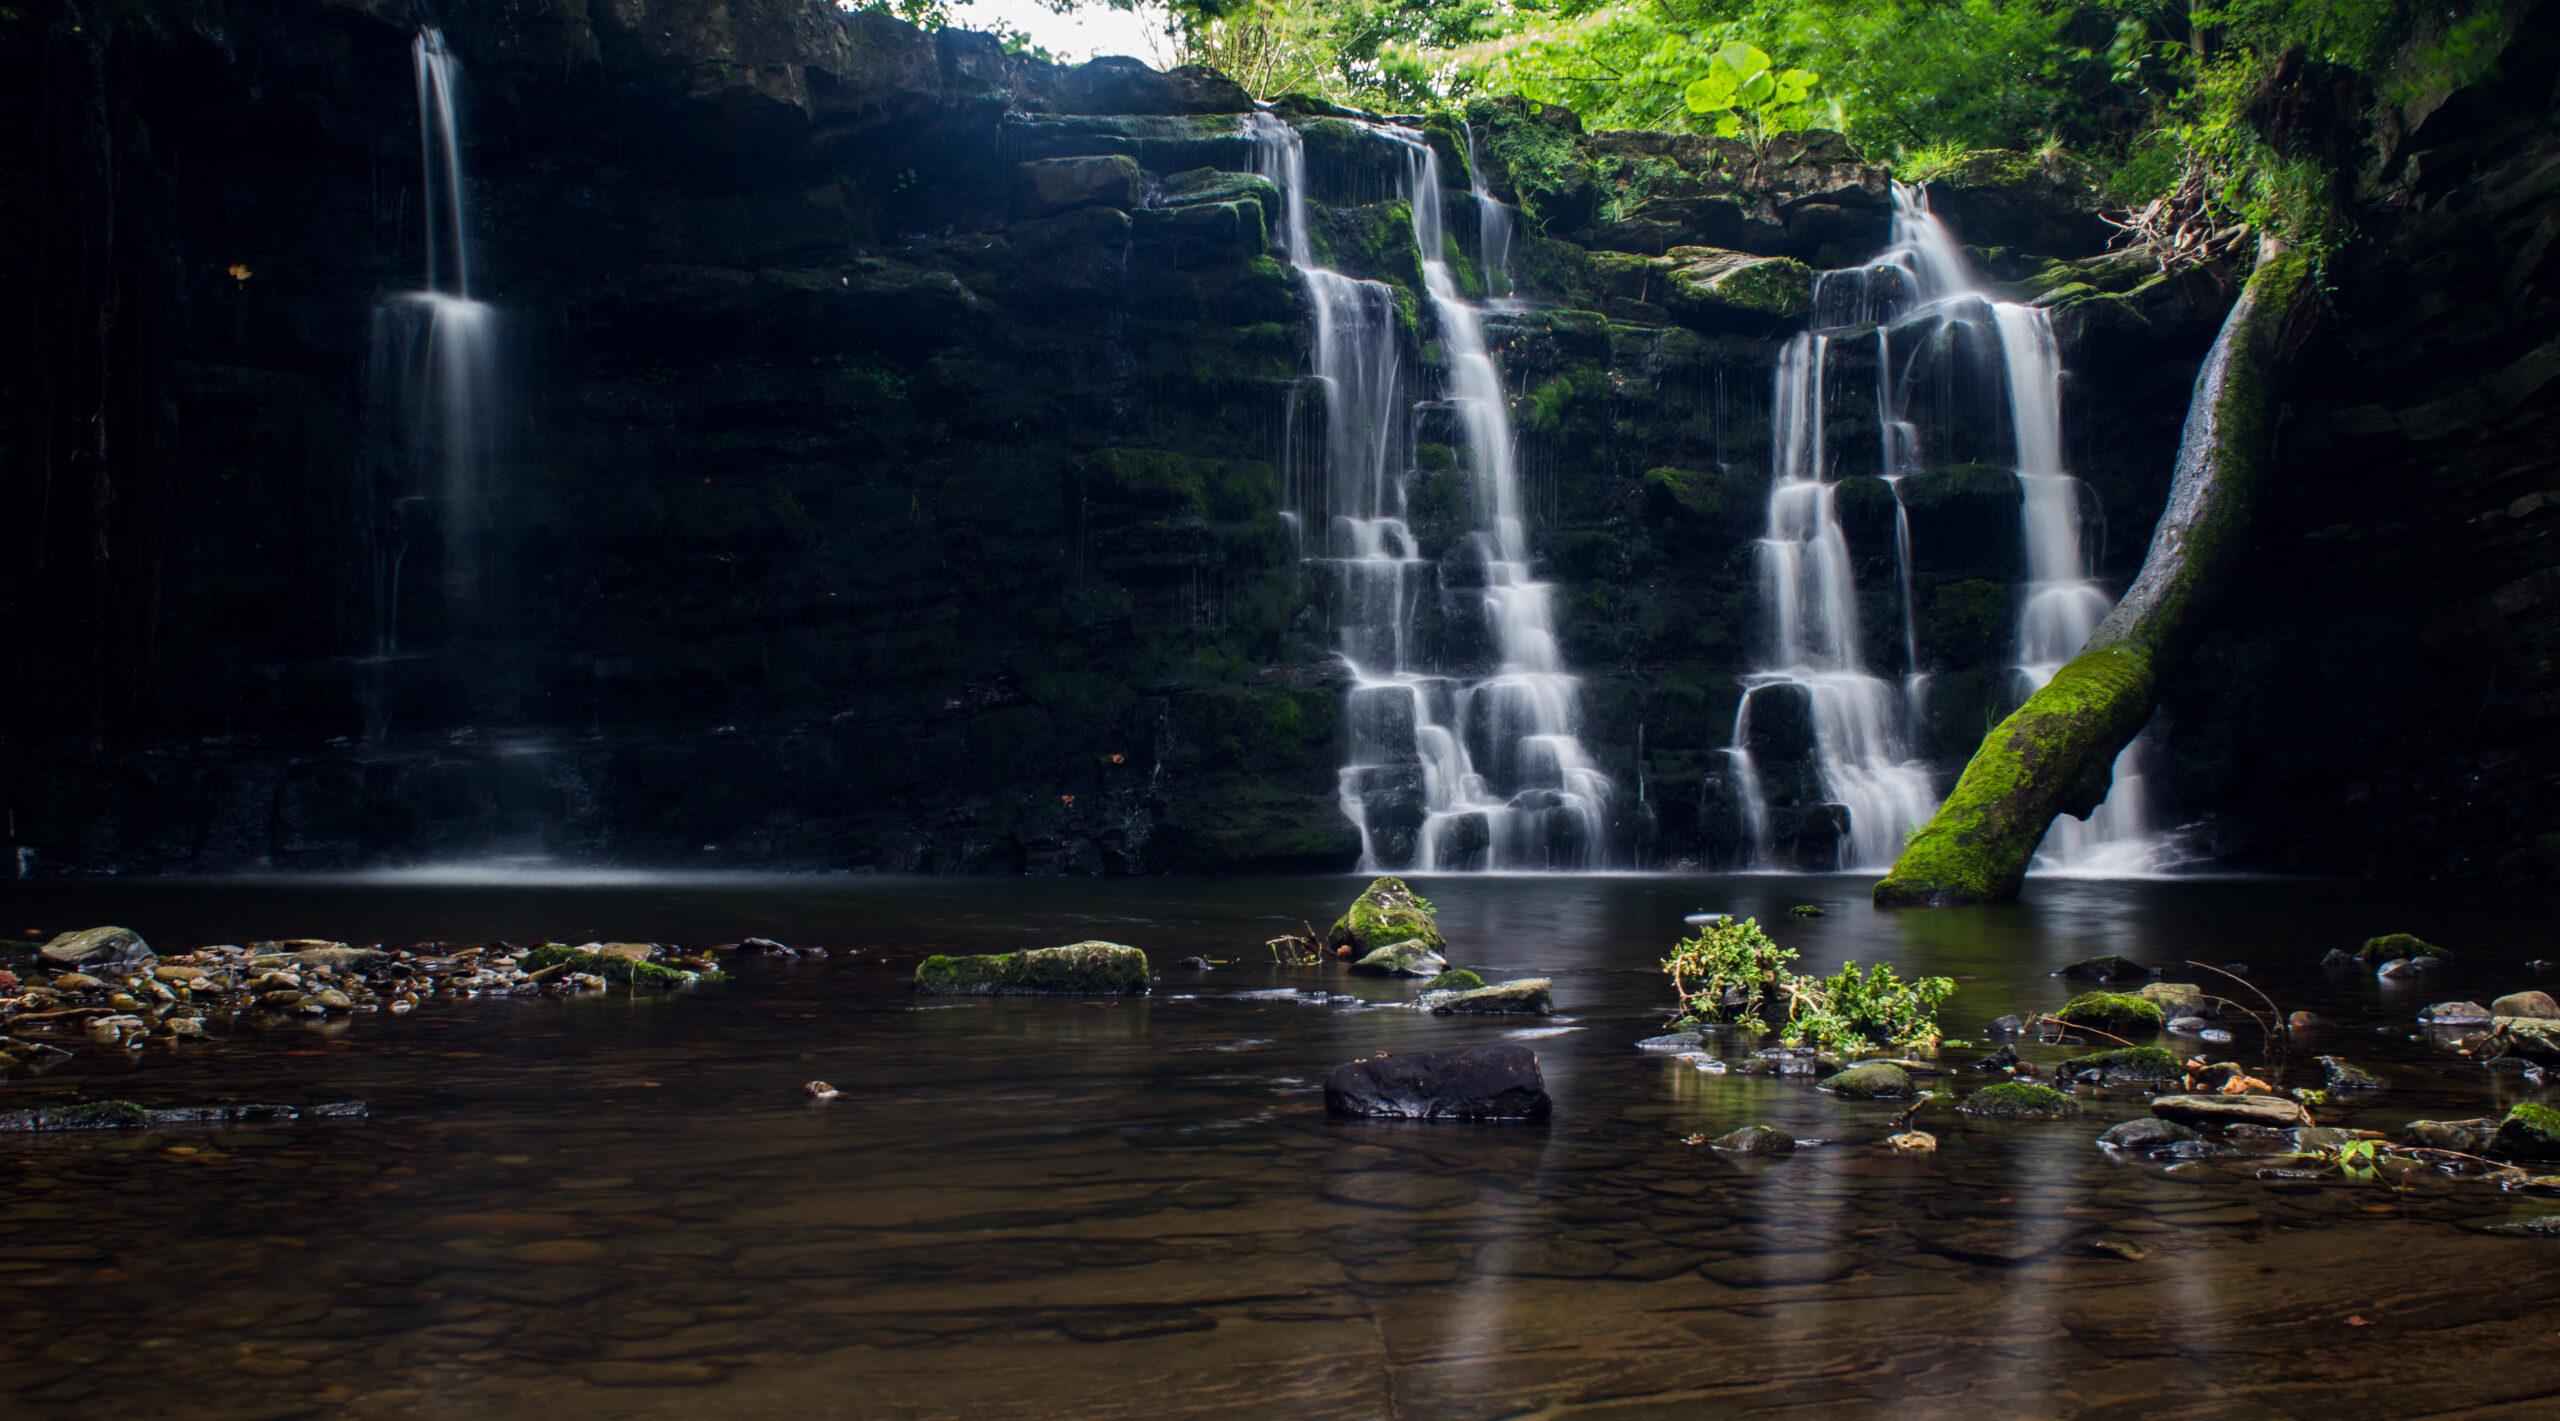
(1444, 772)
(433, 373)
(1920, 288)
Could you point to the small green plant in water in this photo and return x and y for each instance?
(1732, 973)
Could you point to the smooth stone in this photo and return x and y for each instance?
(1756, 1140)
(2402, 967)
(1674, 1041)
(2144, 1136)
(1870, 1080)
(1409, 958)
(96, 947)
(2188, 1026)
(2252, 1109)
(2536, 1005)
(2455, 1014)
(1498, 1082)
(1528, 996)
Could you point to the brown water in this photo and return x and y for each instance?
(623, 1206)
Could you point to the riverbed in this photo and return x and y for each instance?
(622, 1204)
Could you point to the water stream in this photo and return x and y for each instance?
(1446, 770)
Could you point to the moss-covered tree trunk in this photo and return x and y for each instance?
(2056, 753)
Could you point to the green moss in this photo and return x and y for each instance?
(98, 1115)
(1536, 154)
(1456, 979)
(1386, 912)
(2144, 1065)
(2530, 1132)
(610, 968)
(1870, 1080)
(1083, 968)
(2393, 946)
(2117, 1012)
(2019, 1100)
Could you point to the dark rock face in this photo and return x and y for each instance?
(1477, 1083)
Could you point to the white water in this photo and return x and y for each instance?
(1444, 773)
(1919, 287)
(433, 368)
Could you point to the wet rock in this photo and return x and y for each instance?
(126, 1115)
(2340, 957)
(2133, 1065)
(1402, 959)
(96, 947)
(1385, 912)
(1197, 964)
(1456, 979)
(2272, 1111)
(1870, 1080)
(1756, 1140)
(1998, 1062)
(1674, 1041)
(2146, 1136)
(819, 1090)
(1724, 290)
(2177, 999)
(2214, 1036)
(2454, 1014)
(2106, 967)
(2528, 1036)
(2531, 1132)
(2461, 1136)
(2188, 1026)
(1047, 186)
(2537, 1005)
(1913, 1142)
(1498, 1082)
(2018, 1100)
(307, 955)
(2338, 1074)
(1077, 969)
(2528, 1226)
(2405, 968)
(2308, 1021)
(2398, 947)
(2118, 1013)
(763, 945)
(1529, 996)
(1787, 1061)
(2005, 1026)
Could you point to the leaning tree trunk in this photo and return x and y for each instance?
(2056, 753)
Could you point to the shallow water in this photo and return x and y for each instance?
(623, 1206)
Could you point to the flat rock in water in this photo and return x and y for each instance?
(1674, 1041)
(2454, 1014)
(1474, 1083)
(1402, 959)
(1529, 996)
(1078, 969)
(2273, 1111)
(96, 947)
(1756, 1140)
(2536, 1005)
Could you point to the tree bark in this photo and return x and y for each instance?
(2056, 753)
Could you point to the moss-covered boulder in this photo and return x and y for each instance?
(1530, 996)
(1870, 1080)
(2394, 947)
(2120, 1013)
(2132, 1065)
(1385, 912)
(1051, 185)
(1720, 290)
(2019, 1100)
(2530, 1132)
(1078, 969)
(1456, 979)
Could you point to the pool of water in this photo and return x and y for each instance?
(621, 1205)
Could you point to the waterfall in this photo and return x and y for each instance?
(432, 377)
(1443, 772)
(1919, 288)
(1493, 230)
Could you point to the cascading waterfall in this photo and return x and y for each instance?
(1919, 288)
(433, 373)
(1444, 773)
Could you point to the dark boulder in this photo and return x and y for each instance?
(1474, 1083)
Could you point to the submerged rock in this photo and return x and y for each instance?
(2132, 1065)
(2004, 1059)
(1078, 969)
(2106, 967)
(2270, 1111)
(125, 1115)
(1870, 1080)
(1472, 1083)
(2400, 968)
(1529, 996)
(2149, 1135)
(2338, 1074)
(2461, 1136)
(96, 947)
(1385, 912)
(1402, 959)
(1755, 1140)
(2018, 1100)
(2535, 1005)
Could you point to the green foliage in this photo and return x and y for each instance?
(1732, 973)
(1743, 97)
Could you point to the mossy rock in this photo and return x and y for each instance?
(1870, 1080)
(1530, 996)
(2392, 947)
(2132, 1065)
(610, 966)
(1456, 979)
(1721, 290)
(1756, 1140)
(96, 1115)
(2019, 1100)
(1078, 969)
(1402, 959)
(2116, 1012)
(1385, 912)
(2530, 1132)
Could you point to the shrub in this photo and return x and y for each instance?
(1732, 973)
